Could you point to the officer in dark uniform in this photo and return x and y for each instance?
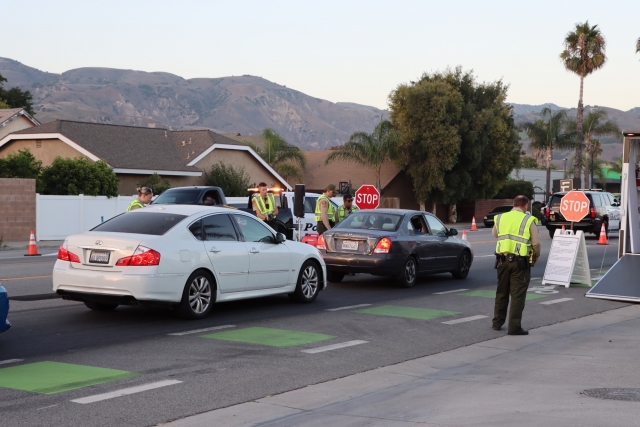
(517, 249)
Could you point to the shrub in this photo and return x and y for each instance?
(156, 183)
(233, 181)
(79, 176)
(515, 187)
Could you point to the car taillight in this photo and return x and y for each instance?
(547, 211)
(142, 256)
(321, 245)
(383, 246)
(593, 212)
(65, 255)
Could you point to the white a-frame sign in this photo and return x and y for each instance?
(568, 262)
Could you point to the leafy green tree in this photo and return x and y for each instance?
(527, 162)
(368, 149)
(3, 105)
(595, 124)
(20, 165)
(233, 181)
(288, 160)
(156, 183)
(79, 176)
(515, 187)
(547, 134)
(584, 53)
(16, 97)
(427, 114)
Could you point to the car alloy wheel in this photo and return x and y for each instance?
(464, 264)
(309, 281)
(408, 275)
(200, 295)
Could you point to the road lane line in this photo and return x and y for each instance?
(555, 301)
(464, 319)
(214, 328)
(334, 346)
(125, 391)
(8, 279)
(450, 292)
(348, 307)
(4, 362)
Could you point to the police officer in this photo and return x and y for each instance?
(346, 209)
(145, 194)
(264, 204)
(517, 249)
(325, 211)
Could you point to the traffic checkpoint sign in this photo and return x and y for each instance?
(574, 206)
(367, 197)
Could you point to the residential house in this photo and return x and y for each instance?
(15, 119)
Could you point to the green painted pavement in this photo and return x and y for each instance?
(487, 293)
(408, 312)
(269, 336)
(54, 377)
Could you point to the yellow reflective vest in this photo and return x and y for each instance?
(261, 205)
(341, 210)
(331, 210)
(514, 235)
(137, 203)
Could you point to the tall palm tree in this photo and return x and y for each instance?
(548, 133)
(595, 124)
(584, 53)
(288, 160)
(616, 165)
(368, 149)
(638, 45)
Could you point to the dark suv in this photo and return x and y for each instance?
(603, 208)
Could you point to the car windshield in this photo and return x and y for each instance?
(371, 221)
(187, 196)
(501, 209)
(152, 223)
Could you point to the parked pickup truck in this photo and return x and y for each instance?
(285, 218)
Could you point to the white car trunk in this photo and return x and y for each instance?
(100, 251)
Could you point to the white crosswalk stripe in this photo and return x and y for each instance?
(464, 319)
(125, 391)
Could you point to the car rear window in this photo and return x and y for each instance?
(188, 196)
(555, 200)
(501, 209)
(155, 224)
(371, 221)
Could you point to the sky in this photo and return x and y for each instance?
(342, 51)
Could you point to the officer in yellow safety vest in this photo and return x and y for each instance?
(145, 194)
(517, 250)
(325, 211)
(346, 209)
(264, 204)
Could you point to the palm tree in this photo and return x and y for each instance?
(584, 52)
(288, 160)
(547, 134)
(616, 165)
(595, 124)
(368, 149)
(638, 45)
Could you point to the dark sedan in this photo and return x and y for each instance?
(489, 218)
(394, 242)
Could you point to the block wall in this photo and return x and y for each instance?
(17, 209)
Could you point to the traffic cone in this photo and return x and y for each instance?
(473, 224)
(33, 249)
(562, 230)
(464, 235)
(603, 236)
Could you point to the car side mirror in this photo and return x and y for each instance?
(452, 232)
(281, 238)
(209, 202)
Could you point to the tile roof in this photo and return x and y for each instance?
(317, 175)
(10, 113)
(132, 147)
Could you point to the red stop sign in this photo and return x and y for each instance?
(367, 197)
(574, 206)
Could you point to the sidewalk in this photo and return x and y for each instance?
(520, 381)
(18, 249)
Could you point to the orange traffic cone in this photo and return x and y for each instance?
(33, 249)
(473, 224)
(464, 235)
(562, 230)
(603, 236)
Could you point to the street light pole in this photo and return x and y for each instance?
(565, 167)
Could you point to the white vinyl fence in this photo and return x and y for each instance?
(60, 216)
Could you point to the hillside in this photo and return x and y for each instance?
(243, 104)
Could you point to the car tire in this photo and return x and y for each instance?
(100, 306)
(464, 264)
(309, 283)
(334, 276)
(409, 274)
(551, 232)
(198, 296)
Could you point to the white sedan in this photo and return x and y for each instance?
(188, 257)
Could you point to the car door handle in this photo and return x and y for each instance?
(254, 251)
(214, 249)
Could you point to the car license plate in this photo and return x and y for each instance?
(349, 245)
(99, 257)
(552, 217)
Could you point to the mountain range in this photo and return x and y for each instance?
(242, 105)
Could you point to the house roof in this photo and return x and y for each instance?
(10, 114)
(317, 175)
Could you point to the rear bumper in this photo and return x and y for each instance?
(590, 227)
(387, 265)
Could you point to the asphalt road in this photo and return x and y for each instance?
(59, 351)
